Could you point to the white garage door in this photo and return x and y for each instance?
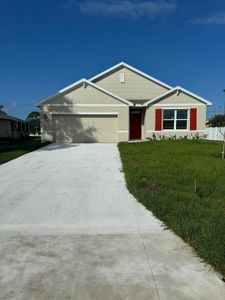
(85, 128)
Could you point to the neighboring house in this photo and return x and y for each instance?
(11, 127)
(120, 104)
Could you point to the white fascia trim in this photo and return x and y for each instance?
(85, 105)
(207, 102)
(88, 113)
(178, 105)
(109, 93)
(178, 88)
(69, 87)
(133, 69)
(39, 103)
(138, 105)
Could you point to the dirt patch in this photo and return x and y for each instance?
(156, 188)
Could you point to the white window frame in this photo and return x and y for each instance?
(175, 118)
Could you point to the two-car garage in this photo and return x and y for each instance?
(85, 128)
(84, 113)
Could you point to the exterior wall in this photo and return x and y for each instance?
(84, 100)
(180, 98)
(85, 129)
(135, 87)
(176, 101)
(85, 95)
(47, 125)
(5, 128)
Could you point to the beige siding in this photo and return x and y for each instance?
(85, 100)
(135, 87)
(47, 125)
(85, 95)
(180, 98)
(173, 102)
(67, 113)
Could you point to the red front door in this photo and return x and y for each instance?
(135, 124)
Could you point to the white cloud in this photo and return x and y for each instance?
(126, 8)
(5, 109)
(13, 104)
(217, 19)
(10, 106)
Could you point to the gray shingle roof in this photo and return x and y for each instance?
(141, 102)
(4, 116)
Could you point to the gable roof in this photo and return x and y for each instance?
(77, 83)
(4, 116)
(178, 88)
(128, 102)
(123, 64)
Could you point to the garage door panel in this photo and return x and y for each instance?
(85, 129)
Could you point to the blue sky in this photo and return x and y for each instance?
(46, 45)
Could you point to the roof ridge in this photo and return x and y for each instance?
(207, 102)
(71, 86)
(133, 69)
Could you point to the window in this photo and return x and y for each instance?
(175, 119)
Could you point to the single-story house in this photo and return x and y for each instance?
(120, 104)
(11, 127)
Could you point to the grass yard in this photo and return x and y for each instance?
(13, 149)
(162, 174)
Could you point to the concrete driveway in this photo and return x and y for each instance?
(69, 229)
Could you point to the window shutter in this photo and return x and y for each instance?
(158, 119)
(193, 119)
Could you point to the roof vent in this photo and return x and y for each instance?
(122, 78)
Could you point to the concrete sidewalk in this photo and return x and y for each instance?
(69, 229)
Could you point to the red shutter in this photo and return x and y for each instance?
(193, 119)
(158, 119)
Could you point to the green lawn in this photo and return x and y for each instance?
(162, 174)
(13, 149)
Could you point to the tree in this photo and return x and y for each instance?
(219, 121)
(33, 115)
(33, 120)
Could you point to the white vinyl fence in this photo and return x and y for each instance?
(215, 133)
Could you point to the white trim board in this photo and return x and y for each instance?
(123, 64)
(86, 105)
(87, 114)
(178, 89)
(82, 81)
(177, 105)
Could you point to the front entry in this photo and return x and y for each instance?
(135, 124)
